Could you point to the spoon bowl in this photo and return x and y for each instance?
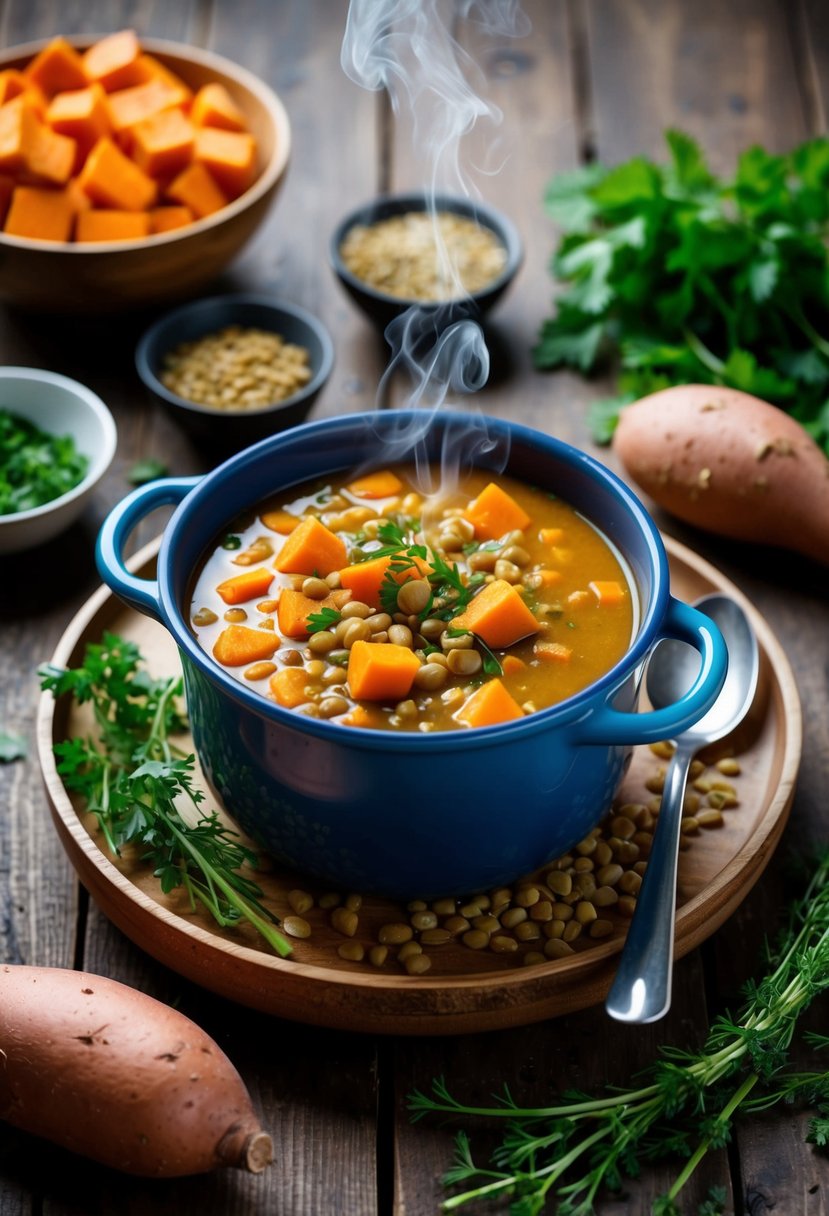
(641, 990)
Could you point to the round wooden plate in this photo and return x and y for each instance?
(465, 991)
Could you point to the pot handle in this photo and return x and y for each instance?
(140, 593)
(687, 624)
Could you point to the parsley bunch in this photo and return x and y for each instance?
(572, 1149)
(35, 466)
(688, 278)
(132, 778)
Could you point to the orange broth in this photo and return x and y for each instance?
(535, 596)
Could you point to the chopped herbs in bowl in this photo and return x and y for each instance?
(57, 440)
(36, 467)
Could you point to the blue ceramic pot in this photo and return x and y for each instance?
(412, 815)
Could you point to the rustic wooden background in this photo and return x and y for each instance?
(595, 79)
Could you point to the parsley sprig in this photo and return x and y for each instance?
(570, 1150)
(36, 467)
(689, 278)
(132, 778)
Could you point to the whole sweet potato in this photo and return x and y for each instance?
(730, 463)
(117, 1076)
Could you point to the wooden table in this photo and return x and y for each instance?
(596, 78)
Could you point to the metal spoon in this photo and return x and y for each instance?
(641, 990)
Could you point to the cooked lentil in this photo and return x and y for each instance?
(236, 369)
(420, 256)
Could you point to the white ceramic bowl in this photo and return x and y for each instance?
(62, 407)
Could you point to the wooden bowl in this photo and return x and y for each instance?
(50, 276)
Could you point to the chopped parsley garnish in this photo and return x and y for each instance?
(35, 467)
(326, 618)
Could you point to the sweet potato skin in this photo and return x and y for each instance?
(729, 463)
(108, 1072)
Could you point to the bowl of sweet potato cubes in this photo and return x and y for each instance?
(131, 171)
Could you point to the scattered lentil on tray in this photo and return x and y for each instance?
(236, 368)
(570, 903)
(401, 257)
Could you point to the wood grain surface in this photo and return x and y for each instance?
(594, 78)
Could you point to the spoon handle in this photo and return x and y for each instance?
(641, 990)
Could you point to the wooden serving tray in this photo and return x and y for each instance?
(465, 991)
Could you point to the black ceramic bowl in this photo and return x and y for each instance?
(383, 308)
(232, 429)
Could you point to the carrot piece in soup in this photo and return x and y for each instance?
(376, 485)
(113, 61)
(365, 579)
(288, 686)
(106, 224)
(238, 645)
(607, 591)
(311, 549)
(57, 67)
(279, 521)
(294, 608)
(360, 715)
(553, 652)
(489, 705)
(498, 615)
(251, 585)
(494, 512)
(214, 107)
(510, 664)
(195, 188)
(381, 671)
(551, 536)
(112, 180)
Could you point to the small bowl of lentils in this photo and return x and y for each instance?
(447, 253)
(236, 368)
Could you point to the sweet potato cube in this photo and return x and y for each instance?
(381, 671)
(294, 608)
(551, 536)
(362, 715)
(311, 549)
(81, 114)
(153, 69)
(6, 190)
(607, 591)
(251, 585)
(230, 156)
(498, 615)
(377, 485)
(40, 213)
(489, 705)
(107, 224)
(113, 61)
(165, 219)
(56, 68)
(280, 521)
(51, 158)
(19, 130)
(163, 144)
(12, 84)
(112, 180)
(511, 664)
(196, 189)
(238, 645)
(214, 107)
(130, 106)
(494, 512)
(289, 687)
(365, 579)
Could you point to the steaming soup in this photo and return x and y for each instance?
(361, 601)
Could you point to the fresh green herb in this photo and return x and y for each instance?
(491, 664)
(35, 467)
(689, 278)
(232, 541)
(452, 586)
(12, 747)
(144, 471)
(571, 1149)
(326, 618)
(132, 775)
